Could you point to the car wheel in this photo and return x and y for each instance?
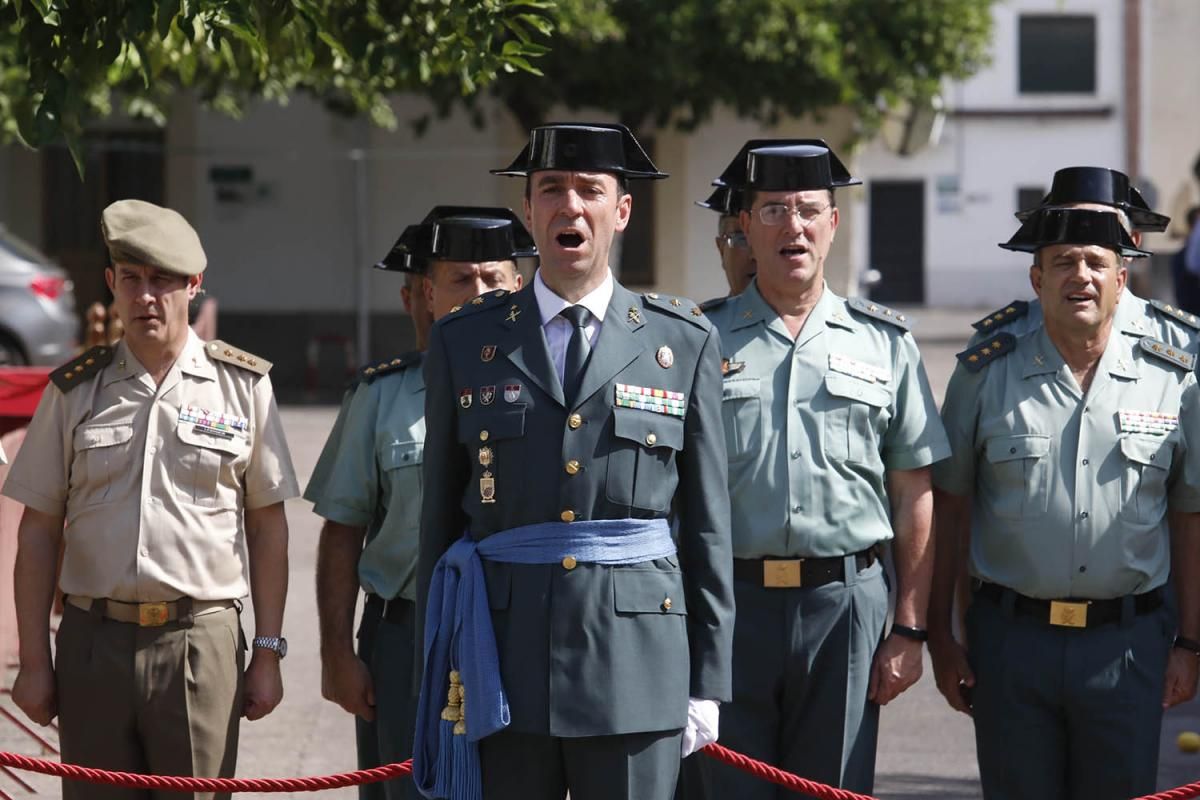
(11, 354)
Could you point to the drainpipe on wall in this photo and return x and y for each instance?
(1133, 87)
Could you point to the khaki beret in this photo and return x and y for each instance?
(143, 233)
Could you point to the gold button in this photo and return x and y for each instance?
(574, 421)
(651, 439)
(483, 436)
(572, 467)
(666, 604)
(569, 562)
(567, 516)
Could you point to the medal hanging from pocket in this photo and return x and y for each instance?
(487, 482)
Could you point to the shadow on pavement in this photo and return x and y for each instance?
(898, 786)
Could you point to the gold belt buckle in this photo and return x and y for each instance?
(1068, 615)
(782, 574)
(151, 615)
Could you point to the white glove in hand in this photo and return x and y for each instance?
(701, 727)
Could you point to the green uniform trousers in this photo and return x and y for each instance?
(1066, 713)
(161, 700)
(386, 647)
(534, 766)
(801, 665)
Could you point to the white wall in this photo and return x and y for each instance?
(989, 158)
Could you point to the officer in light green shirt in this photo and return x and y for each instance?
(830, 429)
(369, 489)
(1071, 443)
(1102, 188)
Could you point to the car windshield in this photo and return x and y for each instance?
(19, 247)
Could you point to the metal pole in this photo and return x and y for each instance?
(362, 273)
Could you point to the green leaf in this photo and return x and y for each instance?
(166, 13)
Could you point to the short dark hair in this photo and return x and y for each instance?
(622, 184)
(749, 195)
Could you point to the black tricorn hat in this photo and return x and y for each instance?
(583, 147)
(471, 233)
(1103, 186)
(725, 200)
(818, 167)
(1049, 226)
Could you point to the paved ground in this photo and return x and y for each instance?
(926, 750)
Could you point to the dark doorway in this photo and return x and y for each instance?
(117, 165)
(897, 241)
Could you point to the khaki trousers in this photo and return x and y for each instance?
(164, 700)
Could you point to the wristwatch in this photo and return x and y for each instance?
(916, 634)
(1184, 643)
(277, 644)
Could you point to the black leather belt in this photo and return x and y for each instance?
(396, 611)
(796, 573)
(1070, 613)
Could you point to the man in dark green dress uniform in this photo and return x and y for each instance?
(564, 424)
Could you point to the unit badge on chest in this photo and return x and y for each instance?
(464, 398)
(487, 353)
(487, 394)
(512, 392)
(665, 357)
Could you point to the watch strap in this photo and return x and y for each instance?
(916, 634)
(1184, 643)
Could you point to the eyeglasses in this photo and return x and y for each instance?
(778, 214)
(734, 239)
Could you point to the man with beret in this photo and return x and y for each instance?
(831, 427)
(1073, 486)
(737, 262)
(569, 645)
(370, 494)
(1103, 189)
(160, 465)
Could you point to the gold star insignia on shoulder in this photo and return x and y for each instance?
(456, 309)
(1014, 310)
(976, 358)
(478, 301)
(220, 351)
(696, 311)
(877, 311)
(1176, 313)
(675, 302)
(1171, 355)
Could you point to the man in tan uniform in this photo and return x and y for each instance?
(160, 463)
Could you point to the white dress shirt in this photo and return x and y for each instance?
(558, 329)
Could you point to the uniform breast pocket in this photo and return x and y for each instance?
(852, 417)
(1146, 463)
(493, 440)
(401, 462)
(203, 457)
(741, 412)
(1018, 475)
(102, 453)
(641, 464)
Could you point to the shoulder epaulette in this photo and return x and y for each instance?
(1191, 320)
(221, 351)
(716, 302)
(679, 306)
(1168, 353)
(482, 302)
(879, 312)
(82, 367)
(977, 357)
(377, 370)
(1002, 316)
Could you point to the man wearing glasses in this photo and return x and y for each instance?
(831, 428)
(737, 262)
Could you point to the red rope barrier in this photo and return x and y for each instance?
(1187, 792)
(775, 775)
(130, 780)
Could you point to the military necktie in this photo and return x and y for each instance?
(578, 350)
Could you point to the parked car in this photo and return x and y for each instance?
(38, 325)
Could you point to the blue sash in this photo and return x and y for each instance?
(462, 699)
